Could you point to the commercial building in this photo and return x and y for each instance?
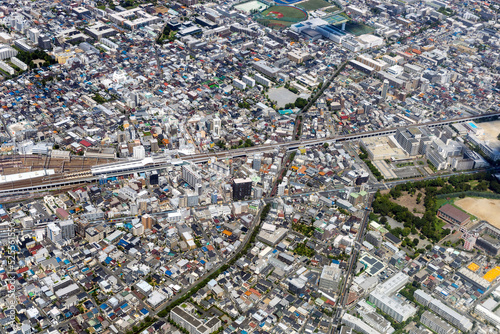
(453, 215)
(242, 188)
(192, 324)
(474, 279)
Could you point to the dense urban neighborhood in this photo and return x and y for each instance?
(249, 167)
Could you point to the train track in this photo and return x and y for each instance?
(63, 179)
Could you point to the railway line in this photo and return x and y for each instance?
(88, 170)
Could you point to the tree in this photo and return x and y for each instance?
(325, 145)
(300, 102)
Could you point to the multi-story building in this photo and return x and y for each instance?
(409, 139)
(19, 63)
(54, 232)
(384, 298)
(248, 81)
(436, 324)
(330, 278)
(7, 52)
(263, 68)
(358, 325)
(192, 324)
(262, 80)
(67, 229)
(4, 66)
(242, 188)
(375, 238)
(190, 176)
(463, 323)
(239, 84)
(377, 64)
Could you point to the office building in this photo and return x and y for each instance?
(256, 163)
(190, 176)
(296, 285)
(154, 178)
(216, 126)
(436, 324)
(192, 324)
(242, 188)
(330, 278)
(44, 42)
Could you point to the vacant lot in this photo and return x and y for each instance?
(483, 208)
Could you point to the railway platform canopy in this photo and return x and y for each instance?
(25, 176)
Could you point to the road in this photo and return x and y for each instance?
(344, 291)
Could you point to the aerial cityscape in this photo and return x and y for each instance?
(249, 167)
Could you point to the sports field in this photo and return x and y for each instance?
(311, 5)
(281, 16)
(358, 29)
(483, 208)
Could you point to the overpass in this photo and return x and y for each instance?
(74, 179)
